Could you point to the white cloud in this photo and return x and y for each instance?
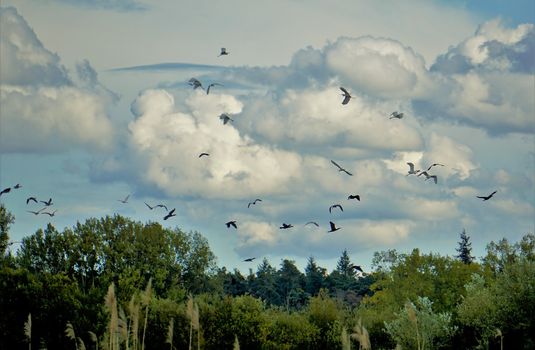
(42, 110)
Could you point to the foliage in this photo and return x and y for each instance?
(465, 249)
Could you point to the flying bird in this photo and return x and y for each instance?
(36, 212)
(427, 176)
(396, 115)
(156, 206)
(5, 190)
(341, 169)
(486, 198)
(17, 186)
(333, 227)
(31, 199)
(354, 196)
(231, 223)
(124, 201)
(49, 214)
(346, 95)
(225, 118)
(204, 154)
(335, 206)
(195, 83)
(356, 267)
(47, 203)
(223, 52)
(434, 164)
(411, 169)
(285, 226)
(249, 259)
(170, 214)
(254, 202)
(209, 86)
(313, 223)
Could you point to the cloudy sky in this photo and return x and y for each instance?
(95, 105)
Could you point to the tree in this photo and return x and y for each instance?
(290, 283)
(263, 286)
(465, 249)
(6, 219)
(314, 277)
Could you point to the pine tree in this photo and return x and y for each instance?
(465, 248)
(344, 265)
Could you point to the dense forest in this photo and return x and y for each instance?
(115, 283)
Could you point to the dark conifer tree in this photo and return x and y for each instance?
(465, 249)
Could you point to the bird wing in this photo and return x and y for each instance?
(344, 90)
(338, 166)
(411, 166)
(312, 222)
(346, 100)
(333, 227)
(148, 206)
(172, 211)
(347, 172)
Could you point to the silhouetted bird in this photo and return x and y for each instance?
(341, 169)
(17, 186)
(346, 95)
(427, 176)
(125, 200)
(486, 198)
(356, 267)
(170, 214)
(49, 214)
(396, 115)
(47, 203)
(254, 202)
(434, 164)
(225, 118)
(411, 169)
(335, 206)
(313, 223)
(204, 154)
(209, 86)
(249, 259)
(231, 223)
(285, 226)
(333, 227)
(223, 52)
(195, 83)
(354, 196)
(31, 199)
(5, 190)
(36, 212)
(156, 206)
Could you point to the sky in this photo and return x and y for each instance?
(95, 106)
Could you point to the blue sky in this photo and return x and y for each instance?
(95, 106)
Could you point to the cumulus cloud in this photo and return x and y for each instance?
(42, 109)
(170, 142)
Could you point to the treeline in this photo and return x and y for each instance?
(114, 283)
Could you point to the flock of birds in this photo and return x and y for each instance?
(225, 118)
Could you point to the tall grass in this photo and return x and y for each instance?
(110, 301)
(360, 334)
(146, 298)
(170, 330)
(28, 330)
(69, 332)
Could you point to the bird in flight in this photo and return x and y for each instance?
(356, 267)
(5, 190)
(341, 169)
(335, 206)
(249, 259)
(47, 203)
(486, 198)
(231, 223)
(434, 164)
(396, 115)
(313, 223)
(170, 214)
(285, 226)
(195, 83)
(209, 86)
(36, 212)
(49, 214)
(333, 227)
(427, 176)
(124, 201)
(411, 169)
(156, 206)
(354, 196)
(254, 202)
(204, 154)
(346, 95)
(223, 52)
(225, 118)
(31, 199)
(17, 186)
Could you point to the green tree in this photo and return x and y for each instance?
(314, 277)
(290, 284)
(6, 220)
(263, 285)
(465, 249)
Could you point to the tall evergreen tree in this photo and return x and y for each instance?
(314, 277)
(465, 249)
